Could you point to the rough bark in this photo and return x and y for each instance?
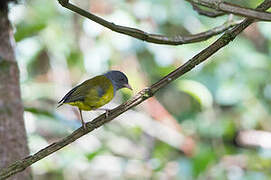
(13, 142)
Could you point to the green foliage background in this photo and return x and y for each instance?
(228, 94)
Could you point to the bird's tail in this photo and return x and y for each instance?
(59, 105)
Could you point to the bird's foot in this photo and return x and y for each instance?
(107, 113)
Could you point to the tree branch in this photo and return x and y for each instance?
(152, 38)
(212, 14)
(143, 95)
(229, 8)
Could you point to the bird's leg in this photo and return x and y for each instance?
(107, 111)
(82, 120)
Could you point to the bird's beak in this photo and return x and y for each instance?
(128, 86)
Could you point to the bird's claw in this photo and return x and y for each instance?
(107, 113)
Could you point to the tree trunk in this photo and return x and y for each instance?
(13, 142)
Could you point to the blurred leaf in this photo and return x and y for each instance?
(91, 156)
(197, 91)
(203, 158)
(75, 59)
(229, 131)
(39, 64)
(163, 151)
(39, 111)
(24, 30)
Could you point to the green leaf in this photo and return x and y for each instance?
(39, 111)
(204, 156)
(91, 156)
(25, 30)
(198, 91)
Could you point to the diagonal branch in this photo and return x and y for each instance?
(229, 8)
(143, 95)
(152, 38)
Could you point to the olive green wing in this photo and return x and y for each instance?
(89, 92)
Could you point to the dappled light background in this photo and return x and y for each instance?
(212, 123)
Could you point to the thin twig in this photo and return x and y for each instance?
(152, 38)
(229, 8)
(143, 95)
(212, 14)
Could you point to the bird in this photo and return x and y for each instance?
(95, 92)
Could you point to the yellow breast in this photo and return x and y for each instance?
(92, 93)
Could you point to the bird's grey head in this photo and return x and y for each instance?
(118, 79)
